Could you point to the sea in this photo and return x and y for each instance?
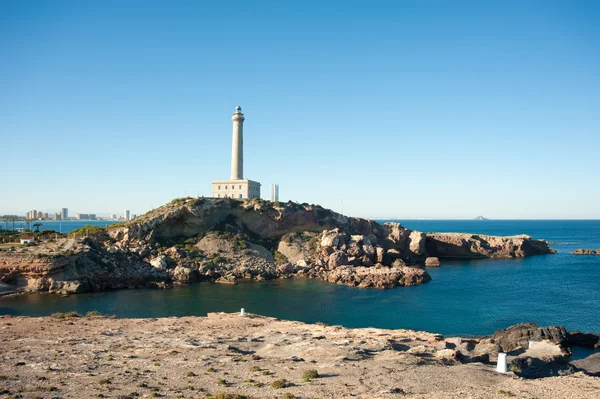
(464, 298)
(65, 226)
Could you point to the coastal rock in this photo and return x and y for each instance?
(518, 336)
(160, 262)
(184, 274)
(376, 277)
(336, 259)
(295, 247)
(432, 262)
(286, 268)
(581, 251)
(584, 340)
(471, 246)
(417, 242)
(226, 239)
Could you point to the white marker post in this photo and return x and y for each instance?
(243, 312)
(501, 367)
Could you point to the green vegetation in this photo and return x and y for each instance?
(224, 383)
(289, 396)
(211, 370)
(280, 258)
(310, 374)
(283, 383)
(221, 395)
(117, 225)
(506, 393)
(65, 315)
(86, 230)
(93, 313)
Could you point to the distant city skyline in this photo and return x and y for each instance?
(433, 109)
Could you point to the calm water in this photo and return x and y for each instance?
(464, 298)
(62, 227)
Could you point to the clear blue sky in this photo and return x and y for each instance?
(441, 109)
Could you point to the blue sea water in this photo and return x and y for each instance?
(464, 297)
(60, 226)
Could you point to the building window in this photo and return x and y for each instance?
(225, 187)
(219, 195)
(240, 195)
(240, 187)
(219, 187)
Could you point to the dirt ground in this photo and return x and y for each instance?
(226, 354)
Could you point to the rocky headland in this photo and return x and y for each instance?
(231, 356)
(226, 240)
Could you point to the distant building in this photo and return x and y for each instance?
(57, 216)
(27, 240)
(127, 214)
(133, 216)
(274, 192)
(237, 186)
(86, 216)
(64, 214)
(113, 217)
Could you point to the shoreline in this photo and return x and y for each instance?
(253, 355)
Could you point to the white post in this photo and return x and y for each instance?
(243, 312)
(501, 366)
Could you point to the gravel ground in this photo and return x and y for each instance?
(226, 354)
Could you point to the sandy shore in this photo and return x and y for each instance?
(199, 357)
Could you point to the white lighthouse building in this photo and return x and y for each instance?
(237, 186)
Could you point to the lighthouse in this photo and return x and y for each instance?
(236, 186)
(237, 145)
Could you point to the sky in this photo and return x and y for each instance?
(404, 109)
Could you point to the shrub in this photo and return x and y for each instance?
(283, 383)
(93, 313)
(310, 374)
(221, 395)
(280, 258)
(224, 383)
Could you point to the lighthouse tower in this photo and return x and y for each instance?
(237, 145)
(237, 186)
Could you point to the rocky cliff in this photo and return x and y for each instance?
(224, 240)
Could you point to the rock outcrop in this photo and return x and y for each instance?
(518, 336)
(225, 240)
(581, 251)
(472, 246)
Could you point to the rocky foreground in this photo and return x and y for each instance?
(226, 240)
(224, 355)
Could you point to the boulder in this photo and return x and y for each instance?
(336, 259)
(159, 262)
(286, 268)
(518, 336)
(432, 261)
(184, 275)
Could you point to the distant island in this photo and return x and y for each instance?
(480, 218)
